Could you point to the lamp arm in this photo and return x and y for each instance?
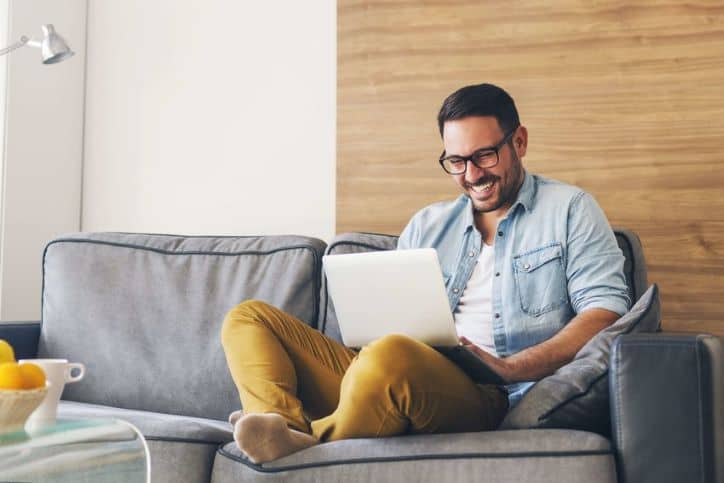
(23, 40)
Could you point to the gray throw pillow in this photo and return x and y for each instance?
(576, 395)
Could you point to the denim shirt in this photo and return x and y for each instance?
(555, 256)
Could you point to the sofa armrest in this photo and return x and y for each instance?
(667, 407)
(23, 336)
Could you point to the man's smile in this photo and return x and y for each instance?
(484, 186)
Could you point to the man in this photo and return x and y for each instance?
(532, 271)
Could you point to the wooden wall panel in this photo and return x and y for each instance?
(624, 99)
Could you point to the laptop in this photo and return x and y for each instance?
(398, 292)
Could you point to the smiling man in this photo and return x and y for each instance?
(532, 267)
(532, 271)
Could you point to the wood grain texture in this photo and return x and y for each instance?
(624, 99)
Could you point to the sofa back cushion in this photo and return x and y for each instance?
(634, 267)
(144, 312)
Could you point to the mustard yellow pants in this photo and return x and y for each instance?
(393, 386)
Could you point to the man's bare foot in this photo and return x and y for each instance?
(266, 437)
(234, 417)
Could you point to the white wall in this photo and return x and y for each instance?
(210, 117)
(5, 40)
(43, 150)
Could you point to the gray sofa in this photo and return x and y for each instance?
(143, 312)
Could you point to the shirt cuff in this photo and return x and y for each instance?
(617, 305)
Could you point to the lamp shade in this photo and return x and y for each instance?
(53, 47)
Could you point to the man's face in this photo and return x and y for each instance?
(490, 189)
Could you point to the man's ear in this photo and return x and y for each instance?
(520, 141)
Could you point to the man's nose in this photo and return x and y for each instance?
(473, 173)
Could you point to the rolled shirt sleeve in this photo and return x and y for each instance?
(594, 268)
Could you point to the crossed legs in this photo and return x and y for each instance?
(298, 387)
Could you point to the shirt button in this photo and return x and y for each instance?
(456, 290)
(471, 254)
(526, 266)
(500, 233)
(497, 316)
(497, 274)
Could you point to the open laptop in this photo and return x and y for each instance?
(398, 292)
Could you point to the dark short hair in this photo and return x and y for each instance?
(479, 100)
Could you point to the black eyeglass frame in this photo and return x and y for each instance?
(477, 154)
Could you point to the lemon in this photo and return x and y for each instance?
(33, 375)
(7, 354)
(10, 376)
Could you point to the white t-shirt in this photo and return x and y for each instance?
(474, 313)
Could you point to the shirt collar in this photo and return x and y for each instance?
(527, 192)
(468, 220)
(526, 198)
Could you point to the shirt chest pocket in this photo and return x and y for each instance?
(541, 279)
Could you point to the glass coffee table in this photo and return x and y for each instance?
(77, 450)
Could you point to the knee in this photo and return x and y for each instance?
(393, 342)
(392, 355)
(247, 312)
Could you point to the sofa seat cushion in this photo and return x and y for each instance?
(181, 448)
(156, 426)
(501, 456)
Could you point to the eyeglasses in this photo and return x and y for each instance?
(482, 158)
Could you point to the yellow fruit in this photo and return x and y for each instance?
(33, 375)
(7, 354)
(10, 376)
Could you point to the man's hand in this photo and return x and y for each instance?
(502, 366)
(541, 360)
